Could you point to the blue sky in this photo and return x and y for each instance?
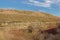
(49, 6)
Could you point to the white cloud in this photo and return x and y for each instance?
(58, 2)
(47, 3)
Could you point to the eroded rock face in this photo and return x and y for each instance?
(31, 33)
(24, 34)
(17, 34)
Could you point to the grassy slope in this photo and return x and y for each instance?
(6, 33)
(26, 16)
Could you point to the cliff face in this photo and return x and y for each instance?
(25, 25)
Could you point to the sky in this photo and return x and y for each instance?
(49, 6)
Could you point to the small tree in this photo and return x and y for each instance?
(30, 29)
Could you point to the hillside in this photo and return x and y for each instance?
(25, 25)
(26, 16)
